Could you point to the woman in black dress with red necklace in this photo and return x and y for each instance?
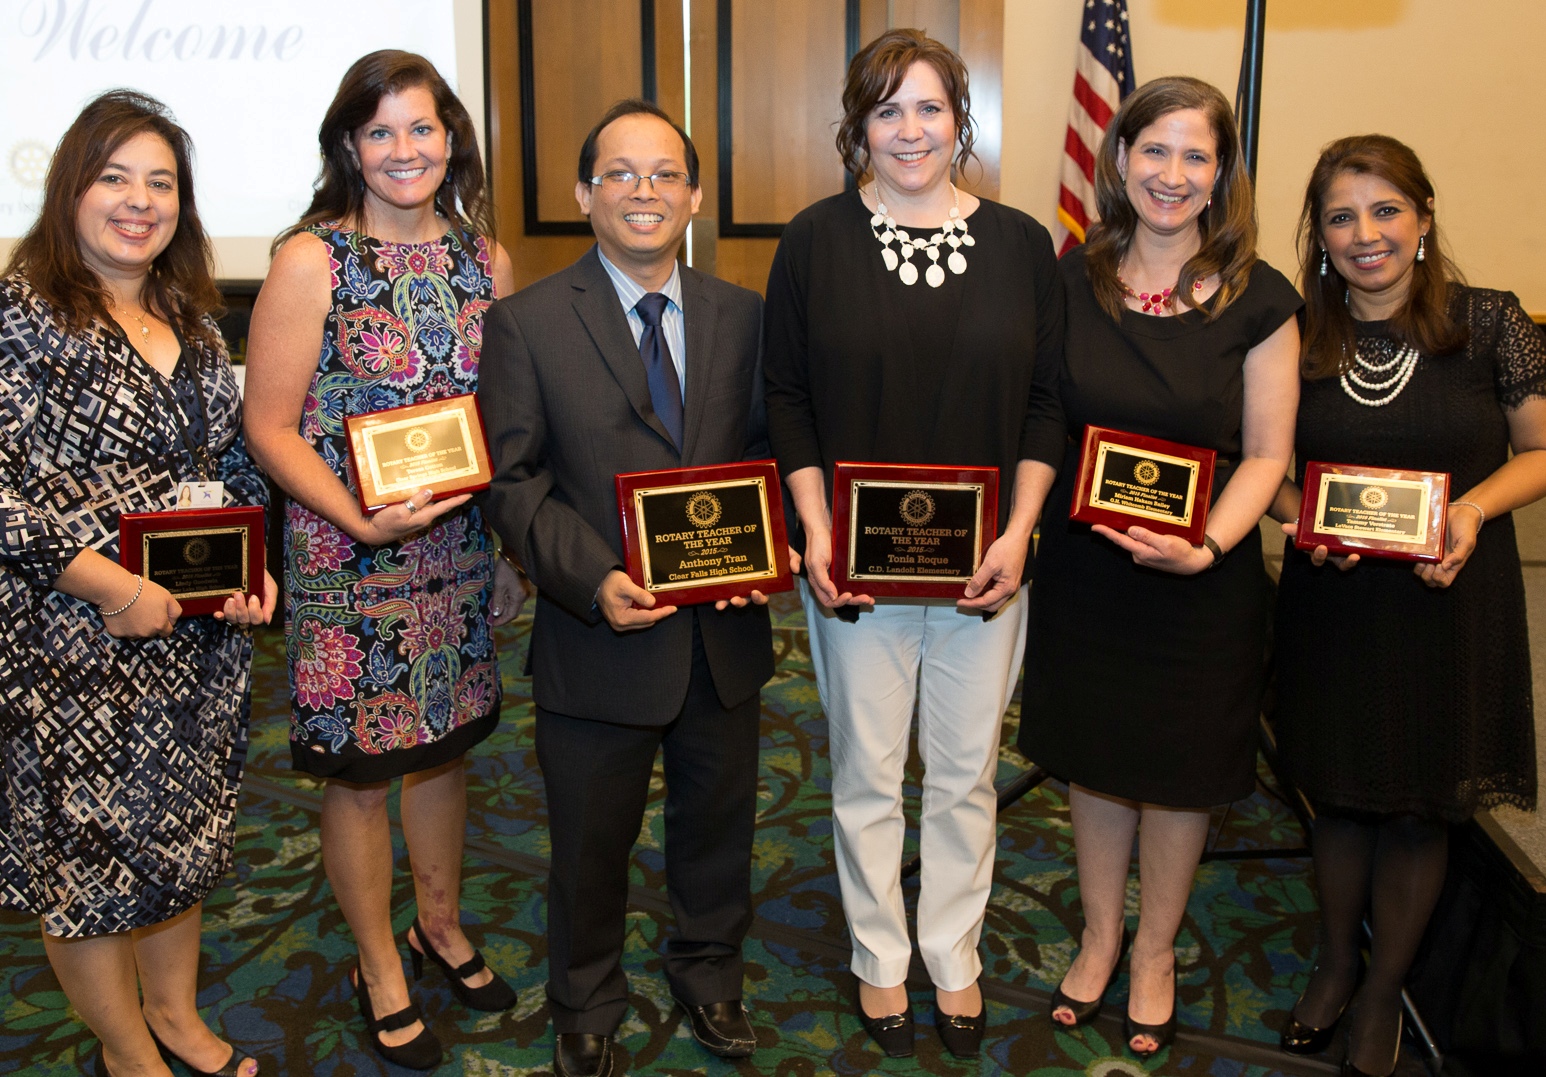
(1144, 669)
(1404, 699)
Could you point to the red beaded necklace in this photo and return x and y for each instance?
(1156, 300)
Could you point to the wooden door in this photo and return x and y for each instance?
(765, 80)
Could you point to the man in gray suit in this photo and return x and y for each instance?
(627, 361)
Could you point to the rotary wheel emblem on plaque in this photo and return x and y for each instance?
(29, 163)
(1373, 497)
(1147, 472)
(917, 507)
(196, 551)
(417, 439)
(703, 509)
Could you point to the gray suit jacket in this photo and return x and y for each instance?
(566, 407)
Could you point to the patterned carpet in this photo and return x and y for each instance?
(276, 949)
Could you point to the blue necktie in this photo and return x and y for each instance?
(659, 370)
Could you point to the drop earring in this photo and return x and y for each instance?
(1420, 254)
(1324, 260)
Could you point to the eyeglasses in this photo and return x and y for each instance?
(621, 181)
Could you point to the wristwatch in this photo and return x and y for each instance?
(1215, 549)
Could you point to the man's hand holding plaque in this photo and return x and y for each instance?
(697, 535)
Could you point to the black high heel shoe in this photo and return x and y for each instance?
(1350, 1070)
(1085, 1012)
(420, 1053)
(893, 1032)
(492, 996)
(1163, 1034)
(232, 1067)
(1298, 1038)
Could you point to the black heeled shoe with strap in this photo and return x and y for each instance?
(232, 1067)
(420, 1053)
(1085, 1012)
(493, 996)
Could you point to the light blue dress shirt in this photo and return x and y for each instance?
(629, 292)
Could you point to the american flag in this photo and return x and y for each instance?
(1103, 76)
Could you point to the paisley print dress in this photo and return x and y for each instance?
(122, 757)
(392, 663)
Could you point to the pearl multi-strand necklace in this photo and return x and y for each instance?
(1400, 366)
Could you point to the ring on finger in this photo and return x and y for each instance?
(410, 506)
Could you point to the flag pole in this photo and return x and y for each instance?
(1248, 93)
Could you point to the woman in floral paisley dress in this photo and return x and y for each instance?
(376, 300)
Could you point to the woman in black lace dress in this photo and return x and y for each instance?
(1404, 697)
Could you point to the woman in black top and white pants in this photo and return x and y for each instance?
(941, 352)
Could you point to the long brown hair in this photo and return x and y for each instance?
(340, 188)
(1423, 321)
(874, 74)
(1228, 225)
(180, 286)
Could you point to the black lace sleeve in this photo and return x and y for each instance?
(1517, 343)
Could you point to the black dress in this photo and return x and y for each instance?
(1393, 696)
(1140, 683)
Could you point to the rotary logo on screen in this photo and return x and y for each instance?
(29, 163)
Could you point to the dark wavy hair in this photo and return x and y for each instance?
(180, 286)
(1424, 320)
(1228, 225)
(339, 193)
(874, 74)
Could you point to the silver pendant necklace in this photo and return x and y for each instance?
(1400, 368)
(953, 234)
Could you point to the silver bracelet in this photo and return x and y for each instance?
(1472, 505)
(137, 592)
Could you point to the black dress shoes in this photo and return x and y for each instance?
(582, 1054)
(893, 1032)
(722, 1027)
(961, 1035)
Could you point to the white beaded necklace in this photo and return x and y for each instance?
(952, 233)
(1400, 367)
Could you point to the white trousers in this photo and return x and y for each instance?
(960, 671)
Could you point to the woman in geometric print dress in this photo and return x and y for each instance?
(123, 725)
(376, 300)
